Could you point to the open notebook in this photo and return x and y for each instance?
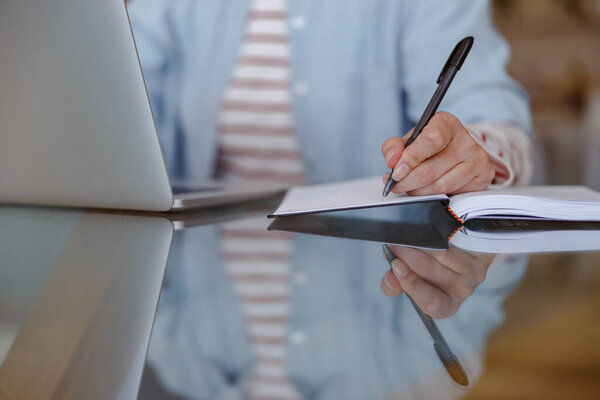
(569, 203)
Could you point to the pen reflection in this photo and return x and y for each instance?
(401, 278)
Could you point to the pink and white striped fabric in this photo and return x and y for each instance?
(257, 143)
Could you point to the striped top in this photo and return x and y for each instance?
(257, 143)
(256, 139)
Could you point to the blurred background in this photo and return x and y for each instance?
(556, 57)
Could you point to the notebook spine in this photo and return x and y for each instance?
(454, 215)
(454, 233)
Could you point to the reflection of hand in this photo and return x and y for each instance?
(443, 159)
(439, 281)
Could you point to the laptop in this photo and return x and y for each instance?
(76, 126)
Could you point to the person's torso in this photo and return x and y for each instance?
(344, 78)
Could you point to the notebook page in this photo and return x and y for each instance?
(548, 202)
(358, 193)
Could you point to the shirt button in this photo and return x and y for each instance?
(298, 22)
(300, 278)
(298, 338)
(300, 88)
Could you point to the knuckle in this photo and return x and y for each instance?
(410, 157)
(480, 275)
(424, 269)
(446, 257)
(448, 119)
(446, 116)
(433, 306)
(410, 282)
(435, 138)
(481, 270)
(441, 186)
(426, 173)
(464, 291)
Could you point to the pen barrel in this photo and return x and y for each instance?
(434, 103)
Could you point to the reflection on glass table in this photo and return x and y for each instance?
(78, 293)
(244, 313)
(432, 227)
(250, 313)
(436, 281)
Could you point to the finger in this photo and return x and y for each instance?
(427, 265)
(393, 147)
(456, 178)
(430, 299)
(431, 169)
(392, 150)
(472, 269)
(429, 268)
(390, 285)
(434, 138)
(480, 182)
(455, 259)
(386, 176)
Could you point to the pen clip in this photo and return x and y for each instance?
(458, 56)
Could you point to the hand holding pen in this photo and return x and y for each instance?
(444, 158)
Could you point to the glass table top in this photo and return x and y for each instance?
(224, 303)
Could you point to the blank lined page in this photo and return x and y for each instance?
(347, 195)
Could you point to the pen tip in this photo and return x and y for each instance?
(387, 188)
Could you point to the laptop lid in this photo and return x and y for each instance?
(76, 128)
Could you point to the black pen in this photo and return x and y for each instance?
(445, 354)
(453, 64)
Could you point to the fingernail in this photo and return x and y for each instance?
(390, 153)
(400, 172)
(399, 268)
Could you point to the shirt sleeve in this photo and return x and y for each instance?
(509, 150)
(482, 91)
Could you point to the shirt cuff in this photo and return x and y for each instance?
(509, 150)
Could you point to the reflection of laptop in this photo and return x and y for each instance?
(76, 128)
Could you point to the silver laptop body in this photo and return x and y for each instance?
(76, 127)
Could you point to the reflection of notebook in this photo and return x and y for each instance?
(527, 236)
(571, 203)
(440, 231)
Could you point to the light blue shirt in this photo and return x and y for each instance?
(370, 68)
